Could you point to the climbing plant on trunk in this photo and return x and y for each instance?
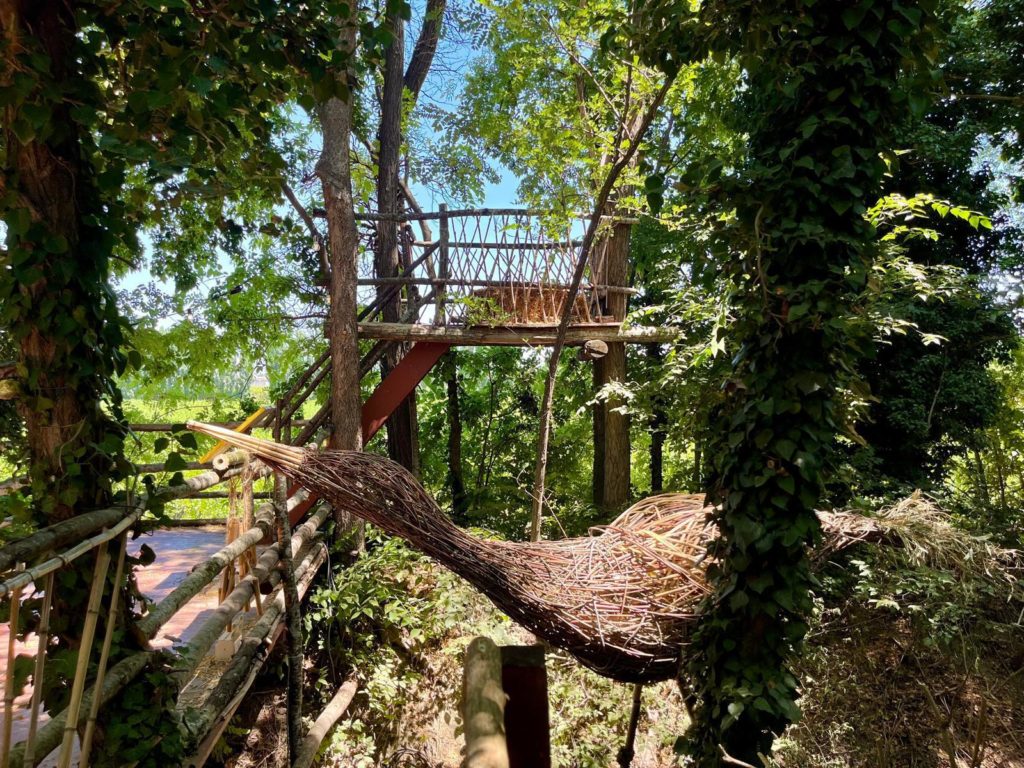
(104, 104)
(824, 89)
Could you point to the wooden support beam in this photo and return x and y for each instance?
(483, 707)
(526, 336)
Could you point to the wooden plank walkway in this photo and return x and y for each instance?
(178, 551)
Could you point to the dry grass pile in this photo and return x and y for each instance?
(526, 305)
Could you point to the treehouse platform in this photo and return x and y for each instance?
(497, 277)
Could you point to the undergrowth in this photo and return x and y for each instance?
(906, 664)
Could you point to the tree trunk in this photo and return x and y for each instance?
(598, 416)
(335, 172)
(49, 180)
(614, 447)
(659, 422)
(426, 47)
(980, 480)
(456, 478)
(401, 427)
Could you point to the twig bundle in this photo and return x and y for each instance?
(621, 600)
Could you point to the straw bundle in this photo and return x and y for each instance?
(621, 600)
(535, 304)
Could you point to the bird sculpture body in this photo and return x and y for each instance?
(620, 600)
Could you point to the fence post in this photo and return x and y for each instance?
(442, 287)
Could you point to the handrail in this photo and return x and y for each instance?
(67, 531)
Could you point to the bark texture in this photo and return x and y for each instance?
(402, 427)
(335, 171)
(613, 455)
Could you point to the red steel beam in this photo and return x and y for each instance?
(399, 384)
(388, 395)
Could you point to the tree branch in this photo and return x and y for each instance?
(540, 471)
(425, 48)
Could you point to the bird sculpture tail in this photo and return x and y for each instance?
(287, 458)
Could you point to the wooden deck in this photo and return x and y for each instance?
(177, 552)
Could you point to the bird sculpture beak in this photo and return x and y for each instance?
(282, 456)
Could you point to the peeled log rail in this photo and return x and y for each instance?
(203, 574)
(81, 526)
(526, 335)
(483, 706)
(318, 731)
(213, 716)
(235, 603)
(456, 213)
(121, 674)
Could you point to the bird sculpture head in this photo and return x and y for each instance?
(371, 487)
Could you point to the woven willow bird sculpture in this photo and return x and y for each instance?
(620, 600)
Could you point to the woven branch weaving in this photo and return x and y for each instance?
(620, 600)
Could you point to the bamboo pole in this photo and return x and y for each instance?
(228, 459)
(99, 578)
(101, 670)
(49, 566)
(12, 639)
(37, 675)
(57, 535)
(331, 714)
(74, 529)
(49, 737)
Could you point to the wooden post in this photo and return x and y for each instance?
(99, 579)
(483, 707)
(12, 639)
(37, 675)
(293, 631)
(612, 455)
(527, 725)
(440, 292)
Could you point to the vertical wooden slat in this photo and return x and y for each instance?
(40, 666)
(99, 578)
(101, 670)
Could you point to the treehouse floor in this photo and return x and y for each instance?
(178, 551)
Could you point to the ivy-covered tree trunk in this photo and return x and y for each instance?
(56, 304)
(824, 90)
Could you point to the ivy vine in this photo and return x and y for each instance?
(825, 87)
